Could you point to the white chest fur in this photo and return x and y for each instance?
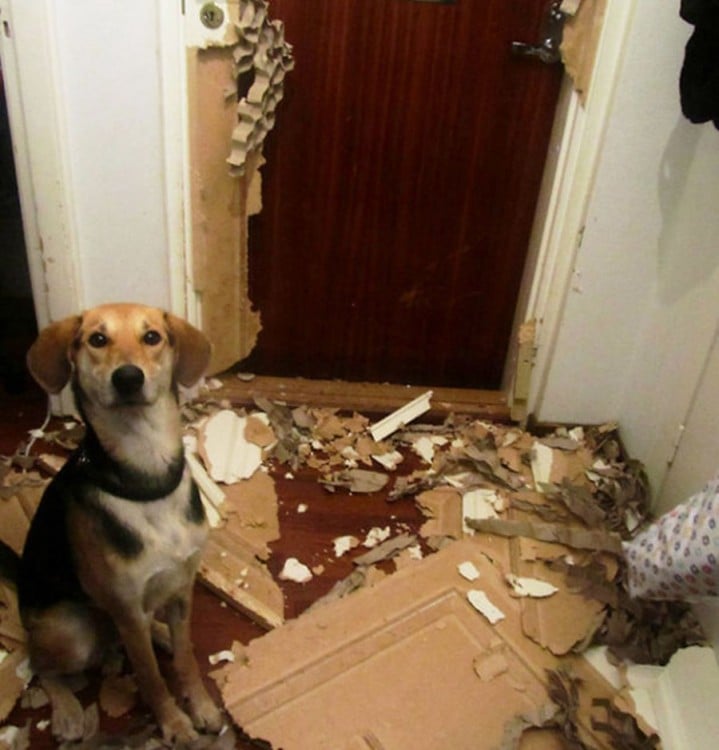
(171, 545)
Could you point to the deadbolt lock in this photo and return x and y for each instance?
(212, 15)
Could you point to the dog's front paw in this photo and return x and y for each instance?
(176, 727)
(205, 714)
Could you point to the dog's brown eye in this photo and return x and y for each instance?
(152, 338)
(97, 340)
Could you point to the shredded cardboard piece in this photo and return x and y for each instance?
(262, 49)
(386, 549)
(360, 481)
(547, 532)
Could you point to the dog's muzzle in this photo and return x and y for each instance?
(128, 380)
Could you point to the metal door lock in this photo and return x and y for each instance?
(547, 51)
(212, 15)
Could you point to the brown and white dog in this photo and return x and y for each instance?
(116, 540)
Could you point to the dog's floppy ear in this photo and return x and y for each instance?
(49, 357)
(192, 350)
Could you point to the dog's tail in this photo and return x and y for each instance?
(9, 564)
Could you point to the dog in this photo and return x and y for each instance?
(116, 540)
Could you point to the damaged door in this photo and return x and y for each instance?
(399, 190)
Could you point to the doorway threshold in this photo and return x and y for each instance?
(368, 398)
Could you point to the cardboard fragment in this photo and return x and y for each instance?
(359, 481)
(547, 532)
(14, 675)
(443, 508)
(251, 511)
(385, 550)
(15, 738)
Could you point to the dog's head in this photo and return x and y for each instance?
(119, 354)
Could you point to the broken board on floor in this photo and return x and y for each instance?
(406, 663)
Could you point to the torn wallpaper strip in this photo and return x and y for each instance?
(676, 556)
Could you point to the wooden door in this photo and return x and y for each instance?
(399, 190)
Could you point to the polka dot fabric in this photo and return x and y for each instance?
(676, 557)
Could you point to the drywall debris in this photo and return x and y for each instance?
(525, 586)
(390, 460)
(376, 535)
(211, 494)
(480, 601)
(468, 570)
(360, 481)
(344, 544)
(443, 507)
(387, 549)
(223, 445)
(478, 504)
(15, 738)
(401, 417)
(251, 512)
(294, 570)
(221, 657)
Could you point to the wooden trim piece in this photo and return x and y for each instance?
(372, 398)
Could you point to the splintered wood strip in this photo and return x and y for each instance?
(374, 398)
(230, 568)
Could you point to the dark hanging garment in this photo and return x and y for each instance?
(699, 78)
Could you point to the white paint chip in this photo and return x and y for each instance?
(389, 460)
(294, 570)
(468, 570)
(376, 535)
(480, 504)
(221, 656)
(344, 544)
(542, 458)
(480, 601)
(532, 587)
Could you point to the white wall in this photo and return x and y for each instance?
(90, 115)
(643, 306)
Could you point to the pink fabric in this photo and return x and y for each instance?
(676, 557)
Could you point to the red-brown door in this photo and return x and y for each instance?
(399, 190)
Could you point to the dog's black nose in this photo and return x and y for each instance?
(128, 380)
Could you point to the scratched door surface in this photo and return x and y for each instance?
(399, 190)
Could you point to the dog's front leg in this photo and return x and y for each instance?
(135, 630)
(204, 712)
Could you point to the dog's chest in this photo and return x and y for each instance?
(167, 540)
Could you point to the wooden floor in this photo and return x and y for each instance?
(307, 536)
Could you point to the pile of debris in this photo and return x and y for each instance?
(523, 530)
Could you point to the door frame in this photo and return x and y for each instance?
(34, 88)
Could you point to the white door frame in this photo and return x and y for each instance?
(34, 89)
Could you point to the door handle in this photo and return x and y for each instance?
(547, 50)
